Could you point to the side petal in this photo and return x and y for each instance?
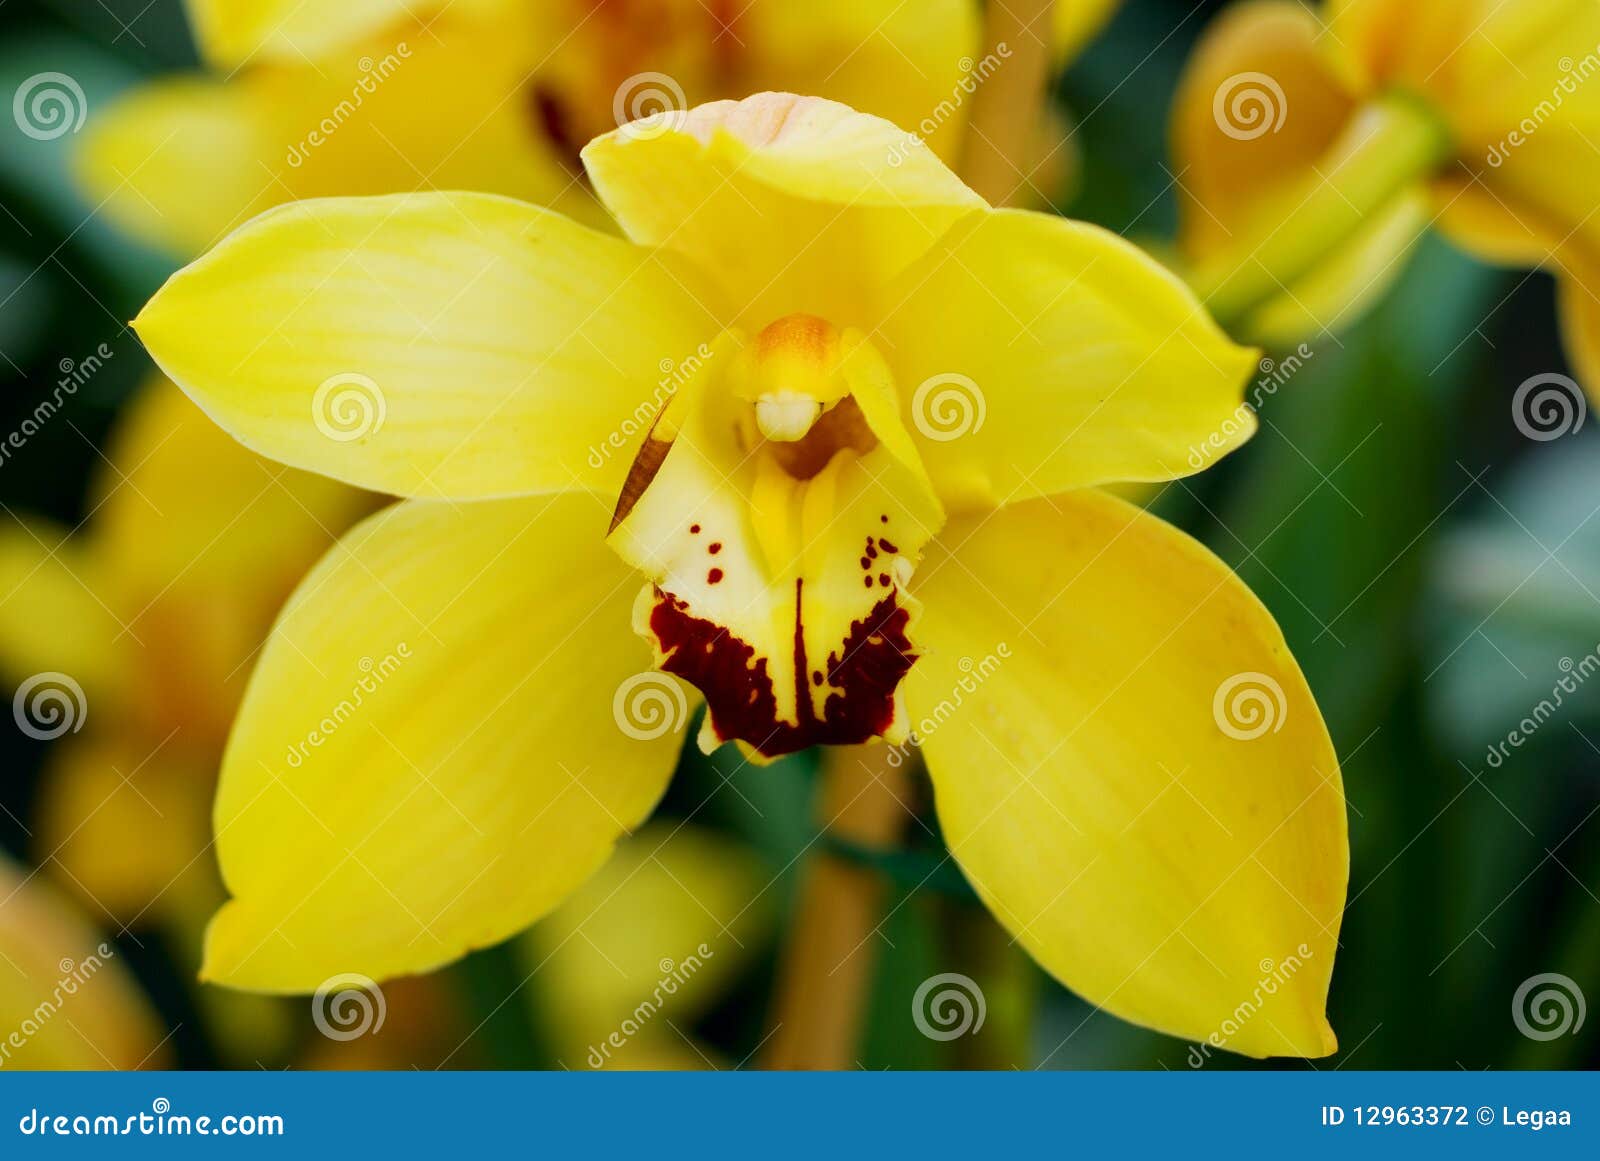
(795, 204)
(428, 757)
(458, 345)
(1035, 355)
(66, 1001)
(1131, 771)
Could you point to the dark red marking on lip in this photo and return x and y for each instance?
(715, 548)
(872, 553)
(694, 530)
(883, 579)
(873, 658)
(865, 563)
(883, 519)
(714, 576)
(868, 581)
(886, 546)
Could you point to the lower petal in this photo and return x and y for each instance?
(433, 751)
(1130, 769)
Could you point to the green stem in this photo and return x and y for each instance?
(1389, 145)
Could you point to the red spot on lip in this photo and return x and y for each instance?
(868, 581)
(714, 576)
(872, 553)
(873, 658)
(694, 530)
(883, 519)
(715, 548)
(887, 547)
(883, 579)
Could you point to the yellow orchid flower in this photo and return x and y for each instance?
(847, 421)
(1313, 151)
(66, 1001)
(383, 96)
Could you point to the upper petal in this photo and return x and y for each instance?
(429, 756)
(1130, 769)
(1035, 355)
(458, 345)
(794, 204)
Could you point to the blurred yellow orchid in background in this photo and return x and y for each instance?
(818, 356)
(65, 999)
(387, 96)
(1313, 150)
(623, 968)
(130, 643)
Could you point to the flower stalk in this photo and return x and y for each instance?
(831, 951)
(1390, 145)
